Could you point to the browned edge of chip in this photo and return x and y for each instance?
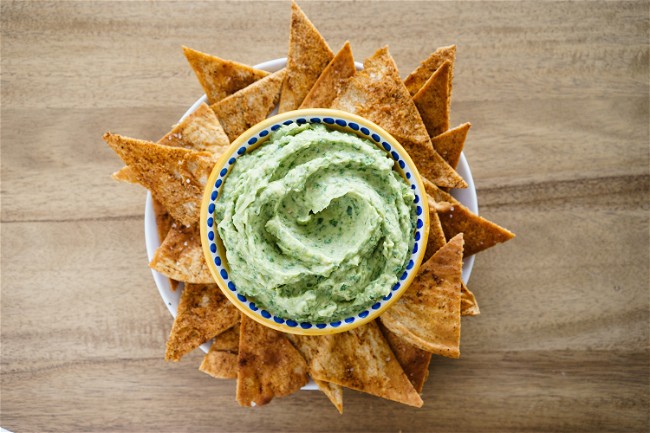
(249, 106)
(180, 256)
(455, 218)
(450, 143)
(421, 74)
(269, 365)
(203, 312)
(433, 101)
(308, 56)
(427, 315)
(330, 82)
(218, 77)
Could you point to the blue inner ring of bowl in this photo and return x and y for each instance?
(340, 124)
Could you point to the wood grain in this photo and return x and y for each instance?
(557, 93)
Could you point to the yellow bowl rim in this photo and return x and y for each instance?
(243, 140)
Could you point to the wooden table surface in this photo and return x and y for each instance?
(558, 97)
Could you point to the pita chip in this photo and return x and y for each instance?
(203, 312)
(249, 106)
(436, 239)
(180, 256)
(450, 143)
(468, 304)
(427, 315)
(269, 365)
(417, 78)
(218, 77)
(330, 82)
(200, 131)
(455, 218)
(308, 56)
(175, 176)
(378, 94)
(125, 174)
(359, 359)
(433, 101)
(333, 392)
(414, 361)
(164, 222)
(221, 360)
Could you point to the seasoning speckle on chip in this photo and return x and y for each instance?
(316, 223)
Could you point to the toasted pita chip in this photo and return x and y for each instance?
(417, 78)
(427, 315)
(468, 304)
(164, 222)
(433, 101)
(308, 56)
(330, 82)
(218, 77)
(378, 94)
(455, 218)
(221, 360)
(269, 365)
(203, 312)
(181, 258)
(414, 361)
(125, 174)
(450, 144)
(249, 106)
(176, 177)
(436, 239)
(359, 359)
(333, 391)
(200, 131)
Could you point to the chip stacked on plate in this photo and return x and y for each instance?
(389, 357)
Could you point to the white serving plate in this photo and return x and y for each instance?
(171, 297)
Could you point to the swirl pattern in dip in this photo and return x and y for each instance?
(316, 224)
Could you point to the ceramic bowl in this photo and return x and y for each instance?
(255, 137)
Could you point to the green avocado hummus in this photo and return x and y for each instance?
(316, 224)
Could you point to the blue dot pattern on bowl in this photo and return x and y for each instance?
(217, 252)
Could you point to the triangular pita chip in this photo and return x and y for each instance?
(330, 82)
(436, 239)
(333, 391)
(433, 101)
(450, 144)
(218, 77)
(175, 176)
(221, 360)
(164, 222)
(455, 218)
(359, 359)
(203, 312)
(414, 361)
(249, 106)
(427, 315)
(378, 94)
(417, 78)
(269, 365)
(468, 304)
(200, 131)
(308, 56)
(181, 258)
